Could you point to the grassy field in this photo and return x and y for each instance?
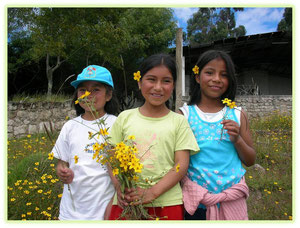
(34, 190)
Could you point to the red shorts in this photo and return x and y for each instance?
(163, 213)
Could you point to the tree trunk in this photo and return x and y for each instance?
(124, 75)
(49, 72)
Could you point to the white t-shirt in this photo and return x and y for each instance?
(91, 187)
(210, 117)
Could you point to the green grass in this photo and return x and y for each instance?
(33, 187)
(41, 98)
(271, 188)
(30, 171)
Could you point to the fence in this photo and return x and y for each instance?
(29, 118)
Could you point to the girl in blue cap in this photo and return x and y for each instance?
(90, 187)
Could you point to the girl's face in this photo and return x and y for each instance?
(98, 96)
(157, 86)
(213, 79)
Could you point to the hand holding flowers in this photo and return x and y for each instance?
(232, 127)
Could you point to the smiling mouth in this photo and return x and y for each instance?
(215, 87)
(156, 95)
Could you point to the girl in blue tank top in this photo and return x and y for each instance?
(225, 143)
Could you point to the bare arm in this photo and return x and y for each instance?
(241, 137)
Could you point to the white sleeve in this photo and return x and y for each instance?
(185, 110)
(61, 147)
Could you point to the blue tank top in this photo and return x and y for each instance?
(217, 166)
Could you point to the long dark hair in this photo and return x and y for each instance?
(111, 107)
(157, 60)
(205, 58)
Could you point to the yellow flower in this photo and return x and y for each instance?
(76, 102)
(103, 132)
(226, 101)
(28, 136)
(177, 168)
(232, 105)
(40, 191)
(50, 156)
(76, 159)
(59, 195)
(37, 163)
(196, 70)
(250, 177)
(115, 171)
(137, 76)
(132, 137)
(13, 199)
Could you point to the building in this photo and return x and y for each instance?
(263, 62)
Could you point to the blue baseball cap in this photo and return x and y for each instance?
(94, 73)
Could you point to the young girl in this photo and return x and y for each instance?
(90, 187)
(218, 167)
(164, 141)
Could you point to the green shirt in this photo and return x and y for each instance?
(157, 140)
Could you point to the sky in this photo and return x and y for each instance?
(256, 19)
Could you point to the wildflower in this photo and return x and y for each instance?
(28, 136)
(50, 156)
(40, 191)
(115, 171)
(250, 177)
(131, 137)
(103, 132)
(76, 159)
(59, 195)
(37, 163)
(29, 213)
(137, 76)
(196, 70)
(177, 168)
(90, 135)
(226, 101)
(232, 105)
(86, 94)
(28, 204)
(13, 199)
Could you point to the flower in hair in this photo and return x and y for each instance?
(137, 76)
(196, 70)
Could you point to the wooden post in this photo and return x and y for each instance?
(179, 53)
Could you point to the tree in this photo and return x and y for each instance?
(286, 23)
(117, 38)
(209, 24)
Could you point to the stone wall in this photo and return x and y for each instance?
(29, 118)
